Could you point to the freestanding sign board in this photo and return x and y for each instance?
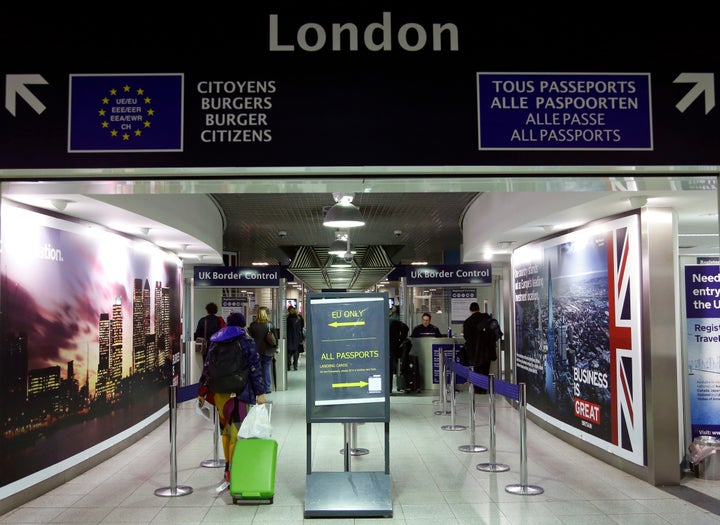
(347, 382)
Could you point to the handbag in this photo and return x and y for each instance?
(201, 342)
(270, 338)
(256, 423)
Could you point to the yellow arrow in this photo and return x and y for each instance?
(347, 385)
(349, 323)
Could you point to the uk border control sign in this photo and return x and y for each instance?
(577, 111)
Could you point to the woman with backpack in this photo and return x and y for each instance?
(242, 370)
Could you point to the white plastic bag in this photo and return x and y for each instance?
(256, 423)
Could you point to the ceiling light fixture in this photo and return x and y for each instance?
(60, 204)
(339, 262)
(338, 247)
(344, 214)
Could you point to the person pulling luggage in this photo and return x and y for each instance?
(232, 379)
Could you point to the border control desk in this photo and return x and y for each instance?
(428, 350)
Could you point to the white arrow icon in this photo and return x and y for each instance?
(16, 85)
(704, 82)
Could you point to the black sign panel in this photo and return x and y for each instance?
(371, 84)
(348, 361)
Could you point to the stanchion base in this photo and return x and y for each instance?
(492, 467)
(356, 451)
(442, 412)
(212, 463)
(454, 427)
(524, 489)
(180, 490)
(472, 448)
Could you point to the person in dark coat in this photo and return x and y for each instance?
(294, 329)
(258, 329)
(476, 354)
(208, 325)
(394, 341)
(426, 329)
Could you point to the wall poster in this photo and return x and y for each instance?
(577, 300)
(702, 307)
(90, 338)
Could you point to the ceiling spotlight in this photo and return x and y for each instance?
(282, 234)
(504, 245)
(637, 202)
(344, 214)
(145, 231)
(60, 204)
(338, 247)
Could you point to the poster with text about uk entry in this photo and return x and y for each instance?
(702, 307)
(349, 349)
(578, 333)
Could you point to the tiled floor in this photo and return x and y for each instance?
(433, 482)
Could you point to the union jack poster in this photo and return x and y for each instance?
(577, 301)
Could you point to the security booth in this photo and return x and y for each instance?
(445, 292)
(240, 289)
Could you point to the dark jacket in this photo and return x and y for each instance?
(422, 331)
(258, 331)
(256, 384)
(214, 323)
(295, 327)
(474, 354)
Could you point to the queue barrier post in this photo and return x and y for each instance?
(492, 466)
(472, 447)
(173, 489)
(215, 461)
(452, 425)
(350, 432)
(443, 385)
(523, 487)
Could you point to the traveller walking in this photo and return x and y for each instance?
(232, 385)
(207, 326)
(259, 330)
(294, 328)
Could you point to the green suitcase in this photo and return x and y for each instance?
(252, 472)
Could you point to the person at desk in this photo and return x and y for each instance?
(426, 329)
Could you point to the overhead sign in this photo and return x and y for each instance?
(364, 86)
(237, 276)
(587, 111)
(449, 274)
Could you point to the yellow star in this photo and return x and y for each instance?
(113, 133)
(146, 123)
(147, 100)
(141, 91)
(138, 132)
(113, 91)
(126, 88)
(105, 124)
(106, 100)
(151, 112)
(101, 112)
(126, 136)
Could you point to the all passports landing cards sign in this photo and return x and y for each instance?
(570, 111)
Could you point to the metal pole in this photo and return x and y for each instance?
(443, 384)
(452, 425)
(523, 487)
(215, 461)
(173, 489)
(491, 466)
(472, 447)
(354, 451)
